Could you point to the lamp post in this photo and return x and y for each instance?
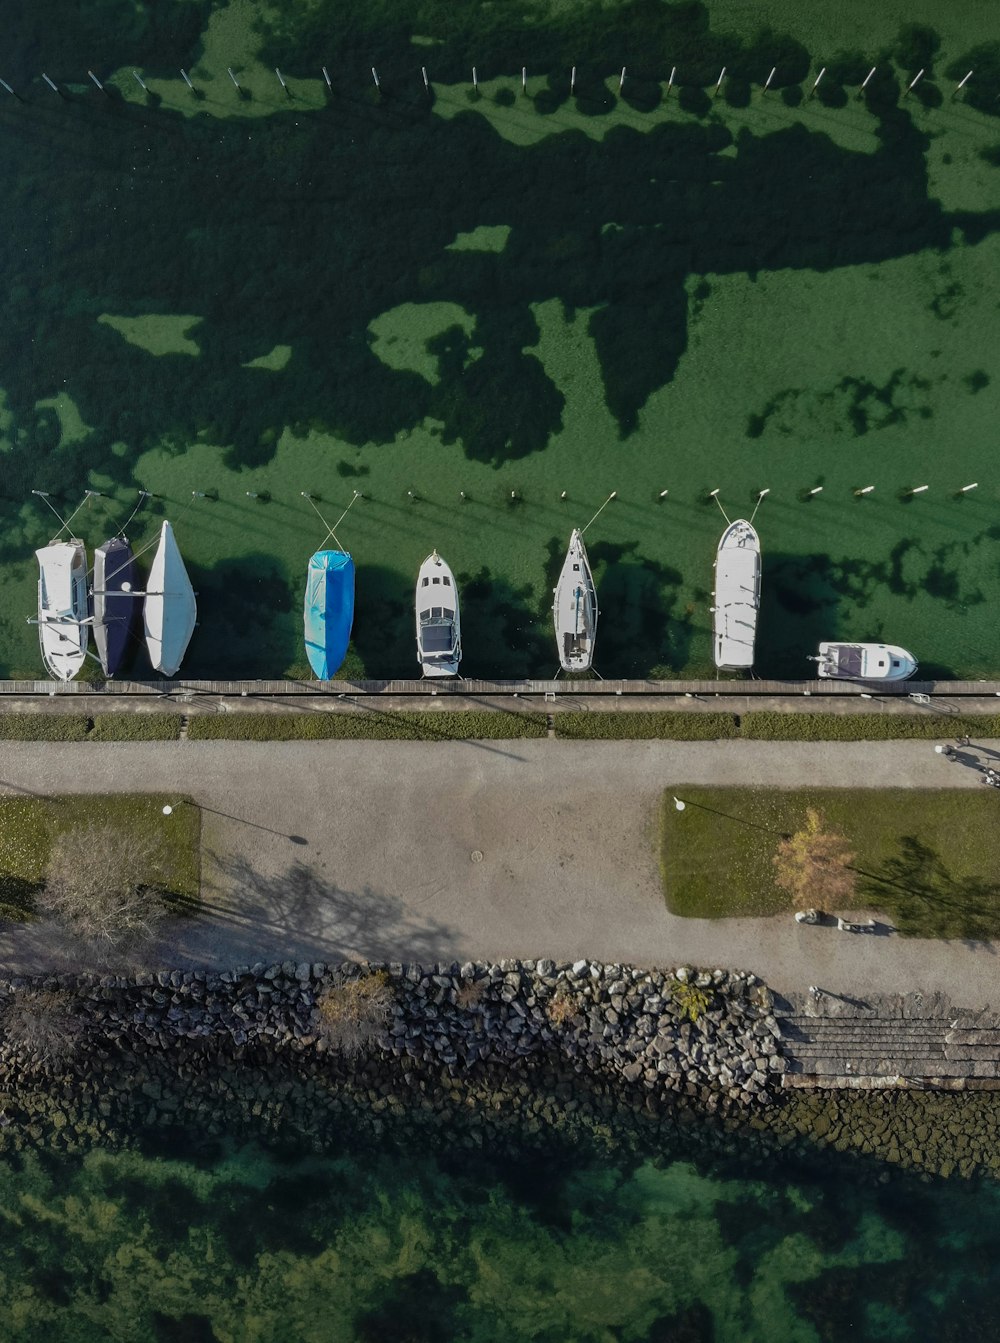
(679, 804)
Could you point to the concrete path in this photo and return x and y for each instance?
(336, 850)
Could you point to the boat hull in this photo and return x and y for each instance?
(574, 609)
(864, 662)
(737, 597)
(170, 610)
(329, 611)
(63, 616)
(438, 619)
(115, 606)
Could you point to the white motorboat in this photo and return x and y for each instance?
(574, 608)
(439, 627)
(63, 616)
(737, 596)
(170, 609)
(864, 662)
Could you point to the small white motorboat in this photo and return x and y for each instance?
(574, 608)
(439, 627)
(864, 662)
(170, 610)
(63, 615)
(737, 596)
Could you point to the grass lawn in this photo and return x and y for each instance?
(28, 826)
(929, 861)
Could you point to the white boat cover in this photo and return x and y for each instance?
(170, 610)
(737, 596)
(865, 662)
(62, 607)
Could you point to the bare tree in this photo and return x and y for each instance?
(41, 1022)
(103, 888)
(814, 865)
(352, 1012)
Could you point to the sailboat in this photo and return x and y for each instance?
(864, 662)
(737, 596)
(114, 599)
(63, 617)
(329, 611)
(439, 627)
(170, 610)
(574, 608)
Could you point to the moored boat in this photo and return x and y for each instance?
(439, 629)
(329, 611)
(63, 616)
(574, 608)
(864, 662)
(115, 602)
(170, 609)
(737, 597)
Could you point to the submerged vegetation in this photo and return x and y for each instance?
(304, 311)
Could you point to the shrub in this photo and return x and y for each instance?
(44, 726)
(381, 725)
(136, 727)
(676, 726)
(471, 993)
(100, 887)
(351, 1012)
(693, 1001)
(771, 726)
(561, 1007)
(41, 1022)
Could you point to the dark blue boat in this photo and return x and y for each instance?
(115, 604)
(329, 611)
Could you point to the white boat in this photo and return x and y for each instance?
(439, 627)
(63, 616)
(574, 609)
(170, 610)
(737, 596)
(864, 662)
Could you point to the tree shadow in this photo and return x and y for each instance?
(300, 915)
(925, 900)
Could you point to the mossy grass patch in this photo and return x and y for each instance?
(928, 861)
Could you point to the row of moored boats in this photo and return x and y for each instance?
(70, 605)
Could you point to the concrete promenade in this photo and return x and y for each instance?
(342, 849)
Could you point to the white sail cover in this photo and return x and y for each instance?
(170, 610)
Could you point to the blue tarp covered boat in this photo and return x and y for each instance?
(329, 611)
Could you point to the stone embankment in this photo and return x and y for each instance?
(90, 1056)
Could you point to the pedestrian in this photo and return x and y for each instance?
(965, 741)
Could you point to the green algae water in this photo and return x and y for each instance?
(469, 303)
(207, 1244)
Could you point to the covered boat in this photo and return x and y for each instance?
(737, 596)
(115, 602)
(329, 611)
(170, 609)
(63, 617)
(864, 662)
(574, 608)
(439, 628)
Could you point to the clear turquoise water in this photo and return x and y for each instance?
(235, 1244)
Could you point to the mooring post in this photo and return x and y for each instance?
(866, 80)
(187, 81)
(767, 82)
(818, 78)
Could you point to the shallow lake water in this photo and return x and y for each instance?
(232, 296)
(198, 1243)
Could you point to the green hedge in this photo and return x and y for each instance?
(381, 725)
(769, 726)
(136, 727)
(645, 726)
(44, 726)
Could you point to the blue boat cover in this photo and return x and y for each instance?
(329, 611)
